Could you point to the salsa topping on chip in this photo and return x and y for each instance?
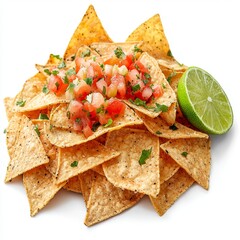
(96, 87)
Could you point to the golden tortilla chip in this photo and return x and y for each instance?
(8, 103)
(40, 187)
(159, 127)
(67, 138)
(80, 158)
(42, 101)
(106, 200)
(26, 143)
(171, 190)
(154, 40)
(137, 168)
(158, 78)
(86, 180)
(104, 48)
(172, 65)
(73, 185)
(31, 88)
(193, 155)
(170, 115)
(168, 167)
(52, 151)
(88, 31)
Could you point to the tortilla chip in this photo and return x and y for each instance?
(125, 171)
(159, 127)
(80, 158)
(193, 155)
(40, 187)
(154, 40)
(99, 170)
(106, 201)
(73, 185)
(42, 101)
(67, 138)
(31, 88)
(168, 167)
(170, 116)
(8, 103)
(26, 143)
(172, 65)
(52, 151)
(86, 180)
(104, 48)
(88, 31)
(158, 78)
(171, 190)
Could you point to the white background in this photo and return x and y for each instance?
(200, 33)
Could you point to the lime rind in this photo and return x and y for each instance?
(204, 102)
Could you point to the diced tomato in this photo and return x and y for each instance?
(127, 61)
(147, 93)
(102, 86)
(79, 62)
(112, 90)
(87, 126)
(81, 90)
(140, 67)
(133, 76)
(94, 71)
(119, 81)
(76, 110)
(157, 91)
(108, 73)
(112, 61)
(77, 126)
(97, 99)
(103, 118)
(90, 110)
(56, 85)
(115, 108)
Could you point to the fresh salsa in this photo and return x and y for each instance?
(97, 86)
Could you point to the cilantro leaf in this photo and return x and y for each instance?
(86, 53)
(88, 81)
(43, 116)
(36, 129)
(119, 53)
(45, 89)
(144, 156)
(74, 164)
(160, 108)
(20, 103)
(109, 122)
(184, 154)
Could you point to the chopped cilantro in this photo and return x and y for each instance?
(57, 85)
(71, 87)
(144, 156)
(86, 53)
(47, 71)
(65, 80)
(184, 154)
(36, 129)
(100, 109)
(119, 53)
(136, 87)
(5, 131)
(20, 103)
(139, 102)
(173, 127)
(104, 90)
(109, 122)
(56, 56)
(88, 81)
(55, 72)
(45, 89)
(147, 76)
(136, 49)
(43, 116)
(160, 108)
(74, 164)
(62, 65)
(158, 132)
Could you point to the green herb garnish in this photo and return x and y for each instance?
(109, 122)
(119, 53)
(136, 87)
(74, 164)
(43, 116)
(86, 53)
(144, 156)
(45, 89)
(20, 103)
(160, 108)
(88, 81)
(184, 154)
(47, 71)
(36, 129)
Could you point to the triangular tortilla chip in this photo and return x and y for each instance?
(73, 185)
(88, 31)
(157, 78)
(152, 34)
(41, 187)
(125, 171)
(193, 155)
(106, 201)
(8, 103)
(22, 158)
(171, 190)
(80, 158)
(168, 167)
(67, 137)
(52, 151)
(159, 127)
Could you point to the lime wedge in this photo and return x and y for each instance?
(204, 102)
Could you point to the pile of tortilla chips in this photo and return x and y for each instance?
(158, 154)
